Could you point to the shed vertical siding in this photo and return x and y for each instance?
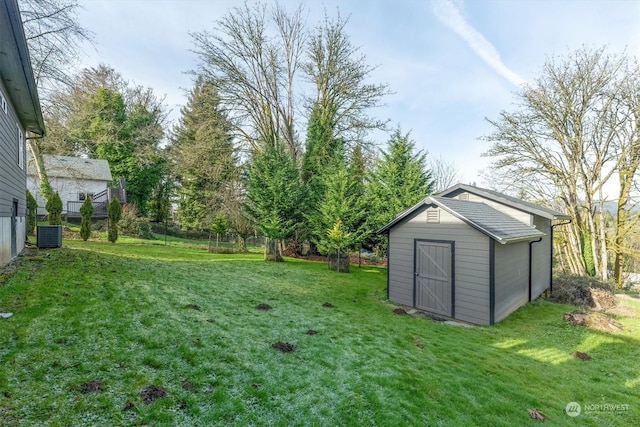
(12, 180)
(541, 259)
(511, 278)
(471, 262)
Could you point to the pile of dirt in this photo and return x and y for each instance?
(194, 307)
(311, 332)
(152, 392)
(328, 305)
(399, 311)
(263, 306)
(284, 347)
(583, 292)
(593, 320)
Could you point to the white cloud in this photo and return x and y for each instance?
(449, 14)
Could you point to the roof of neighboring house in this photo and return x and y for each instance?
(15, 68)
(495, 224)
(72, 168)
(506, 200)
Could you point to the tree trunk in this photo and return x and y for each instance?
(618, 244)
(272, 251)
(602, 247)
(45, 187)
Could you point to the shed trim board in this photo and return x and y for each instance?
(451, 313)
(388, 269)
(492, 281)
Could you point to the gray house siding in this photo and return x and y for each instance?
(471, 302)
(12, 183)
(541, 258)
(511, 278)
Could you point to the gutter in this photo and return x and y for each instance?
(551, 253)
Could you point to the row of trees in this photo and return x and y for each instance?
(236, 160)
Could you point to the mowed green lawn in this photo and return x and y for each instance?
(94, 324)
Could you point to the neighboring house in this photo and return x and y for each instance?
(74, 178)
(471, 254)
(20, 114)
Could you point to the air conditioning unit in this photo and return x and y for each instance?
(49, 236)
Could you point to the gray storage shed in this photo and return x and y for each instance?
(471, 254)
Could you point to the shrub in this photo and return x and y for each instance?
(54, 208)
(86, 211)
(134, 226)
(32, 206)
(114, 210)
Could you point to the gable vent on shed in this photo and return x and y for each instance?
(433, 216)
(463, 196)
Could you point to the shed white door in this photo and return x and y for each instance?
(433, 277)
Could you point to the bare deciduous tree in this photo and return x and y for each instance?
(564, 144)
(443, 173)
(54, 36)
(254, 70)
(339, 73)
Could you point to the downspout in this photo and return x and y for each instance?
(551, 254)
(530, 263)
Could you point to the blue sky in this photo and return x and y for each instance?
(450, 63)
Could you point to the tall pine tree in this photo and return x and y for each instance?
(204, 159)
(399, 180)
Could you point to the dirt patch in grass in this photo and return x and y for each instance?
(284, 347)
(263, 306)
(593, 320)
(311, 332)
(152, 392)
(91, 386)
(581, 355)
(399, 311)
(328, 305)
(187, 386)
(194, 307)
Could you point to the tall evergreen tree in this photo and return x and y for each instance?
(274, 195)
(204, 159)
(399, 180)
(338, 220)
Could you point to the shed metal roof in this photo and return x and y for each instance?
(489, 221)
(73, 168)
(513, 202)
(15, 68)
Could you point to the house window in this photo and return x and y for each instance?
(3, 103)
(433, 216)
(83, 195)
(20, 147)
